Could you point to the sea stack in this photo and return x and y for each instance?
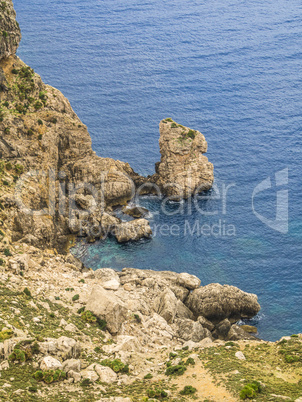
(183, 169)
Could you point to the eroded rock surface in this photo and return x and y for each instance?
(10, 30)
(183, 169)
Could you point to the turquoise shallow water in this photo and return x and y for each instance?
(231, 69)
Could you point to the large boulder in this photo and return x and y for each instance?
(216, 302)
(183, 168)
(106, 374)
(133, 230)
(188, 281)
(105, 305)
(50, 363)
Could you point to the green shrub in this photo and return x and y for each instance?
(43, 96)
(75, 297)
(8, 166)
(188, 390)
(19, 169)
(17, 355)
(190, 361)
(49, 376)
(2, 262)
(40, 136)
(230, 344)
(179, 369)
(101, 323)
(169, 119)
(291, 359)
(116, 365)
(35, 348)
(40, 122)
(88, 316)
(249, 391)
(7, 252)
(86, 383)
(6, 334)
(82, 281)
(54, 120)
(172, 355)
(174, 125)
(137, 318)
(97, 349)
(38, 375)
(191, 134)
(32, 388)
(52, 315)
(5, 182)
(81, 310)
(5, 34)
(38, 105)
(15, 71)
(148, 376)
(27, 292)
(156, 393)
(6, 104)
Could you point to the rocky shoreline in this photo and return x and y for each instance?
(134, 335)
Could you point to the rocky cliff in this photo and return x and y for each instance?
(66, 189)
(135, 335)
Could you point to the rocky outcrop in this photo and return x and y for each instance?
(66, 189)
(10, 31)
(183, 169)
(216, 303)
(133, 230)
(162, 300)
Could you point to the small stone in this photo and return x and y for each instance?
(240, 355)
(71, 328)
(63, 323)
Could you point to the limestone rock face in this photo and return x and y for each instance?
(10, 30)
(216, 302)
(166, 305)
(183, 169)
(108, 307)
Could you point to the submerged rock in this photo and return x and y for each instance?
(135, 212)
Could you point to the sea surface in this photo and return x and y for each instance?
(231, 69)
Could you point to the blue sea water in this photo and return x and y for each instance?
(231, 69)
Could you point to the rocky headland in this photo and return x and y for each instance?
(68, 333)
